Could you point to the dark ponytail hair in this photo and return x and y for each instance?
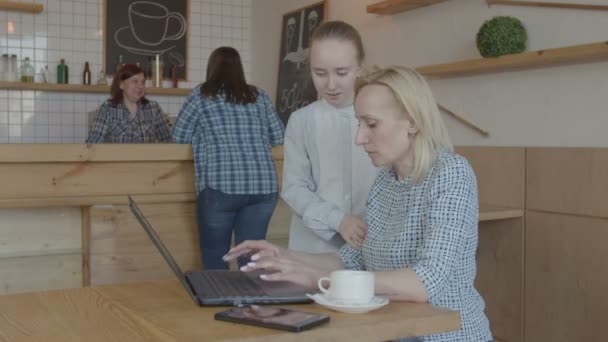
(225, 76)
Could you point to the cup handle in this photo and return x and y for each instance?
(177, 16)
(320, 283)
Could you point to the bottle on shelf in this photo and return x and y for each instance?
(86, 74)
(158, 67)
(27, 71)
(5, 61)
(10, 73)
(102, 80)
(44, 74)
(148, 71)
(62, 72)
(174, 75)
(118, 64)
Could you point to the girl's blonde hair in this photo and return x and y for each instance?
(340, 30)
(415, 98)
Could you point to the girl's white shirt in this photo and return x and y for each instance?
(325, 175)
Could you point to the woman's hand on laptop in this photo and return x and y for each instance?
(282, 264)
(255, 248)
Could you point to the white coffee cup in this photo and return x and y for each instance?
(349, 287)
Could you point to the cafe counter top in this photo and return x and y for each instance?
(45, 175)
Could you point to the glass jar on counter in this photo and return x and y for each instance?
(27, 71)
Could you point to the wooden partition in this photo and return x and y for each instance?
(559, 297)
(103, 243)
(120, 251)
(500, 175)
(32, 258)
(566, 237)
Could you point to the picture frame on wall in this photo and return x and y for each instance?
(294, 85)
(136, 31)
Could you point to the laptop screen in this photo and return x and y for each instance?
(161, 247)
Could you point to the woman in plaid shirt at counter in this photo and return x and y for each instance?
(128, 116)
(232, 127)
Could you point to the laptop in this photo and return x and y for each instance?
(223, 287)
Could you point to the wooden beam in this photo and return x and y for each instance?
(43, 153)
(80, 88)
(464, 121)
(20, 7)
(541, 58)
(396, 6)
(562, 5)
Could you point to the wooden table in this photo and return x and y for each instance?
(162, 311)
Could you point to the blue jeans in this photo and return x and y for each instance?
(219, 214)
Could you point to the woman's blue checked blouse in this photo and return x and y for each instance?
(431, 228)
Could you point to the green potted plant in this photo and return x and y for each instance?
(501, 35)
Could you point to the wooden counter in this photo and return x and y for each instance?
(98, 241)
(107, 245)
(162, 311)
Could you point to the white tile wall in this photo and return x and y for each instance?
(72, 29)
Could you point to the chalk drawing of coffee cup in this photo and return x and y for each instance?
(149, 23)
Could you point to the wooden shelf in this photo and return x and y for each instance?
(396, 6)
(21, 7)
(542, 58)
(77, 88)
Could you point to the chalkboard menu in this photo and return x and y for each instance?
(295, 88)
(137, 31)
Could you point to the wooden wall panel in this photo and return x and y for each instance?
(120, 250)
(43, 153)
(500, 174)
(27, 232)
(566, 278)
(25, 180)
(40, 273)
(278, 229)
(568, 180)
(500, 272)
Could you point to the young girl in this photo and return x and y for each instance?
(326, 178)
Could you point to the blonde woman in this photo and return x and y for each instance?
(422, 210)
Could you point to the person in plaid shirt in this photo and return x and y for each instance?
(128, 116)
(232, 127)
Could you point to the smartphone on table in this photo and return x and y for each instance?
(271, 317)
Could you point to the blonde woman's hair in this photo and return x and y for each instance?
(415, 98)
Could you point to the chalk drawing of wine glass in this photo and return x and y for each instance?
(289, 33)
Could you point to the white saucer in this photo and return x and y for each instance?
(375, 303)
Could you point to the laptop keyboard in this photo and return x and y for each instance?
(228, 284)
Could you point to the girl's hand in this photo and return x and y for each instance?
(353, 230)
